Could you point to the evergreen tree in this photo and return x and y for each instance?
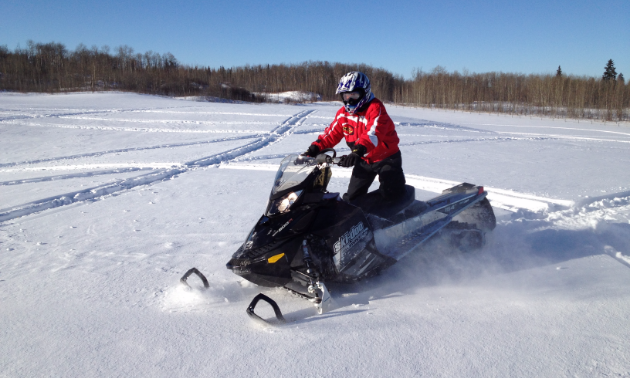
(559, 72)
(620, 79)
(610, 73)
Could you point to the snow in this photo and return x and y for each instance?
(294, 96)
(107, 199)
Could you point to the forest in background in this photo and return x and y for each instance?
(51, 67)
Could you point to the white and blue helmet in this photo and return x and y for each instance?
(355, 81)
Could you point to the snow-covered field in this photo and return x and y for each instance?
(107, 199)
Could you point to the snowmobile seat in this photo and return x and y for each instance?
(374, 203)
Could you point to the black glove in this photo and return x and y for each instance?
(312, 151)
(355, 157)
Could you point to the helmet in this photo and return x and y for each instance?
(355, 81)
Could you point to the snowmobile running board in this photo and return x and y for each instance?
(274, 305)
(454, 207)
(184, 278)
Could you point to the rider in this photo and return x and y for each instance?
(371, 136)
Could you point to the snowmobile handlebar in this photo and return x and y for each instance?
(322, 157)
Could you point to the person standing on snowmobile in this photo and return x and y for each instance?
(371, 136)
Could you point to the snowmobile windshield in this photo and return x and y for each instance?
(293, 170)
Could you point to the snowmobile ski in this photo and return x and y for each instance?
(184, 279)
(274, 305)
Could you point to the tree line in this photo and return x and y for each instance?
(551, 95)
(51, 67)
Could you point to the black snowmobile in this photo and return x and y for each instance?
(308, 236)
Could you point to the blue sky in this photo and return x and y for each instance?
(510, 36)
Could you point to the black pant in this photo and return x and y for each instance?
(390, 175)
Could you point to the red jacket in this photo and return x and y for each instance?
(371, 128)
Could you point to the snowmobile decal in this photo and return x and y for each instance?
(283, 227)
(454, 206)
(350, 238)
(274, 259)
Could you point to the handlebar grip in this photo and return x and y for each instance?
(322, 158)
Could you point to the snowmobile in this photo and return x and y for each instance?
(308, 237)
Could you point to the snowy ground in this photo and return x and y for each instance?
(107, 199)
(290, 96)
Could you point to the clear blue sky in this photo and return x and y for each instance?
(530, 36)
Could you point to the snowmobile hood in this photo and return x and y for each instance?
(262, 258)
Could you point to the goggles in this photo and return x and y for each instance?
(347, 96)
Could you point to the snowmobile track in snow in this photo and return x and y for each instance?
(280, 132)
(107, 152)
(505, 199)
(72, 176)
(86, 194)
